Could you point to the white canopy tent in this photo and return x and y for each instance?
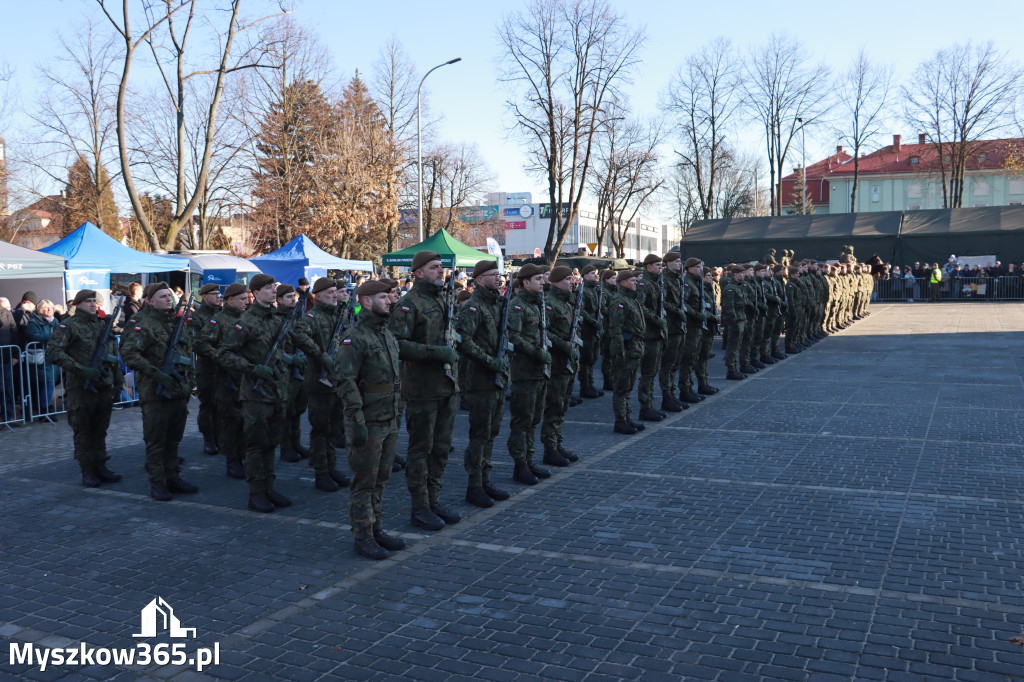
(23, 270)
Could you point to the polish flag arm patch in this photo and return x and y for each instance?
(238, 327)
(347, 342)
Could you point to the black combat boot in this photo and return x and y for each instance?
(449, 516)
(106, 475)
(159, 492)
(277, 499)
(301, 450)
(288, 454)
(748, 369)
(210, 446)
(478, 497)
(757, 364)
(650, 414)
(341, 479)
(324, 482)
(733, 375)
(90, 479)
(369, 548)
(637, 425)
(779, 355)
(176, 484)
(388, 542)
(626, 428)
(575, 400)
(235, 469)
(607, 386)
(768, 360)
(670, 404)
(259, 502)
(690, 397)
(398, 464)
(495, 493)
(426, 519)
(568, 454)
(706, 389)
(554, 458)
(590, 392)
(539, 472)
(522, 474)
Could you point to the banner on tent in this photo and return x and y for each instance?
(74, 280)
(221, 277)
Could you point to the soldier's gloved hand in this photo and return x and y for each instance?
(166, 380)
(299, 361)
(447, 355)
(358, 435)
(499, 365)
(574, 355)
(263, 372)
(544, 357)
(663, 325)
(90, 373)
(328, 362)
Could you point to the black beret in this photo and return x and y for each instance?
(284, 289)
(372, 287)
(234, 290)
(652, 258)
(484, 266)
(529, 270)
(209, 289)
(424, 257)
(558, 273)
(671, 256)
(323, 283)
(259, 281)
(82, 295)
(153, 288)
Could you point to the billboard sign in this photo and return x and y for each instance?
(515, 224)
(545, 211)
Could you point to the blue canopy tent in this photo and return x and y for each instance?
(302, 258)
(90, 256)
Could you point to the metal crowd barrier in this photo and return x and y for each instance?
(45, 384)
(950, 289)
(12, 387)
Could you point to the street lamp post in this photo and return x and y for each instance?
(803, 167)
(419, 151)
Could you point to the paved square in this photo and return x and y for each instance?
(852, 513)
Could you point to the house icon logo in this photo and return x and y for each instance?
(158, 614)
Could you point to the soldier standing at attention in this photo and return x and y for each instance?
(229, 407)
(313, 337)
(485, 381)
(295, 391)
(675, 315)
(530, 369)
(367, 383)
(696, 319)
(247, 350)
(626, 327)
(610, 286)
(704, 387)
(794, 294)
(72, 347)
(564, 362)
(734, 317)
(164, 398)
(656, 331)
(430, 388)
(590, 332)
(779, 285)
(206, 366)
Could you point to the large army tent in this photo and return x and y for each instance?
(931, 236)
(812, 236)
(24, 270)
(453, 252)
(302, 258)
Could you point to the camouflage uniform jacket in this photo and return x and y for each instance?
(312, 336)
(246, 345)
(794, 293)
(144, 346)
(674, 308)
(419, 325)
(479, 326)
(288, 345)
(648, 293)
(779, 284)
(589, 314)
(691, 300)
(366, 378)
(206, 355)
(626, 326)
(524, 333)
(74, 342)
(559, 312)
(213, 336)
(734, 301)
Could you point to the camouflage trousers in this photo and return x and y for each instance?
(526, 407)
(623, 380)
(206, 391)
(707, 339)
(264, 423)
(230, 427)
(606, 363)
(748, 343)
(735, 330)
(690, 353)
(671, 362)
(773, 337)
(764, 348)
(295, 405)
(325, 423)
(556, 404)
(89, 418)
(163, 425)
(371, 470)
(588, 358)
(429, 424)
(650, 366)
(485, 412)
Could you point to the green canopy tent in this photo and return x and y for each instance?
(453, 252)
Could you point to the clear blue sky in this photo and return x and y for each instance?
(902, 33)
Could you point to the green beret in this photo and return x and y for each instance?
(323, 283)
(424, 257)
(371, 287)
(259, 281)
(691, 262)
(463, 295)
(150, 290)
(234, 290)
(625, 274)
(209, 289)
(483, 267)
(651, 259)
(284, 289)
(607, 274)
(671, 256)
(587, 270)
(82, 295)
(529, 270)
(559, 273)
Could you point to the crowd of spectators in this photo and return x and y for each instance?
(951, 280)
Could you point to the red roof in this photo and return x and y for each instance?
(914, 159)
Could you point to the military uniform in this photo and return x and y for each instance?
(675, 344)
(164, 407)
(429, 387)
(296, 400)
(564, 362)
(691, 287)
(529, 383)
(608, 293)
(71, 347)
(226, 383)
(655, 328)
(707, 338)
(591, 332)
(626, 329)
(206, 376)
(734, 317)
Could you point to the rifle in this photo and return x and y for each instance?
(574, 337)
(172, 358)
(271, 360)
(545, 342)
(343, 323)
(503, 345)
(600, 305)
(661, 304)
(778, 301)
(703, 322)
(100, 356)
(451, 337)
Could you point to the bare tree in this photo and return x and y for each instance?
(562, 61)
(781, 85)
(961, 97)
(167, 29)
(862, 96)
(453, 176)
(702, 100)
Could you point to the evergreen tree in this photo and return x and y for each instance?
(800, 196)
(90, 197)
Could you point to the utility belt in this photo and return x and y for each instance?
(381, 388)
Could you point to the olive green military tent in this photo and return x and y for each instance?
(453, 252)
